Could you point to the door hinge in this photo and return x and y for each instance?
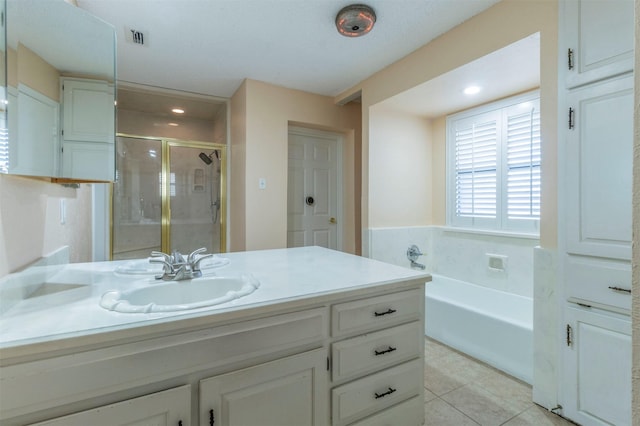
(569, 336)
(572, 112)
(570, 58)
(212, 419)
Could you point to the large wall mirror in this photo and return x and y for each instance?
(60, 92)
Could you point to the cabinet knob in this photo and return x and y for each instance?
(333, 220)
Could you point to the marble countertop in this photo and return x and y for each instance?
(284, 275)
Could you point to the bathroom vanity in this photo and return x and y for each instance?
(327, 338)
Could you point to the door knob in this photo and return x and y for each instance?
(333, 220)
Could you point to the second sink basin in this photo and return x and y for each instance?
(180, 295)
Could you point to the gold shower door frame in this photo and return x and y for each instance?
(165, 221)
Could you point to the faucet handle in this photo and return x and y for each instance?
(195, 266)
(161, 254)
(167, 267)
(192, 256)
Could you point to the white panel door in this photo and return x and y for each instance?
(598, 168)
(597, 371)
(290, 391)
(313, 186)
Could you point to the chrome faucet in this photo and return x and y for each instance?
(176, 268)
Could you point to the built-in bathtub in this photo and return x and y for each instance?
(490, 325)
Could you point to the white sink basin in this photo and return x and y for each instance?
(169, 296)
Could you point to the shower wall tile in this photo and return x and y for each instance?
(391, 244)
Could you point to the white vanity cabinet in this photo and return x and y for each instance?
(598, 39)
(334, 359)
(88, 123)
(598, 382)
(171, 408)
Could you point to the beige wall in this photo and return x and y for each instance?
(261, 152)
(237, 159)
(36, 73)
(400, 159)
(30, 221)
(499, 26)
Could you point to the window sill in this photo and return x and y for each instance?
(491, 232)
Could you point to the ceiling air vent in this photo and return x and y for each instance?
(136, 36)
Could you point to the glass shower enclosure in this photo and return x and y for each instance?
(169, 195)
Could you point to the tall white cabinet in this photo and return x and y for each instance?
(596, 151)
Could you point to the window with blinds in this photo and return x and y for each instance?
(494, 165)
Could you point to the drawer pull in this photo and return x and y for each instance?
(386, 351)
(620, 289)
(387, 312)
(382, 395)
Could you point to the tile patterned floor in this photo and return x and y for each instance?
(460, 391)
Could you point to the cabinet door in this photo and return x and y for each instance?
(33, 135)
(598, 164)
(597, 385)
(88, 111)
(290, 391)
(88, 160)
(599, 34)
(168, 408)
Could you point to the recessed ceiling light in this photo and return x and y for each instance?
(471, 90)
(173, 124)
(178, 110)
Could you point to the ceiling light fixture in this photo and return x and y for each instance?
(355, 20)
(471, 90)
(178, 110)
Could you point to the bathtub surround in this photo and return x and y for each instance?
(545, 332)
(462, 255)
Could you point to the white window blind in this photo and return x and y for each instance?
(476, 170)
(494, 165)
(523, 165)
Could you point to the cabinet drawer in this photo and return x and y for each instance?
(376, 312)
(406, 413)
(370, 352)
(371, 394)
(600, 281)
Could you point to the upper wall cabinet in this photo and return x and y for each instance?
(61, 93)
(599, 38)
